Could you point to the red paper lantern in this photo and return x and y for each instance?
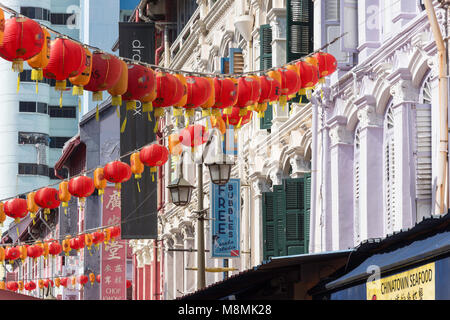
(326, 63)
(117, 172)
(97, 238)
(23, 39)
(106, 70)
(98, 278)
(198, 91)
(81, 186)
(154, 155)
(115, 232)
(235, 118)
(225, 93)
(12, 285)
(193, 135)
(67, 59)
(16, 209)
(30, 286)
(83, 279)
(141, 82)
(48, 282)
(74, 244)
(35, 251)
(289, 84)
(270, 92)
(249, 90)
(12, 253)
(64, 282)
(169, 90)
(47, 198)
(308, 76)
(81, 241)
(129, 284)
(54, 248)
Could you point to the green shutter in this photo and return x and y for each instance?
(295, 216)
(307, 200)
(265, 62)
(269, 216)
(300, 28)
(280, 222)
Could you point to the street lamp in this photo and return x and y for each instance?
(180, 189)
(220, 172)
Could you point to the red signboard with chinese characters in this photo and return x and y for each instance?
(113, 261)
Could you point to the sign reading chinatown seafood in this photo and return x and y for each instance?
(225, 212)
(414, 284)
(113, 258)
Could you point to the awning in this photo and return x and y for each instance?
(69, 148)
(261, 273)
(420, 250)
(10, 295)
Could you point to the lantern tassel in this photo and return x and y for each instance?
(176, 121)
(79, 105)
(65, 211)
(124, 124)
(155, 129)
(118, 111)
(37, 86)
(239, 123)
(60, 99)
(18, 234)
(18, 82)
(139, 188)
(149, 117)
(97, 114)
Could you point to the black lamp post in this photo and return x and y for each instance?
(181, 192)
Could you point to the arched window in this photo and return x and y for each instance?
(389, 173)
(423, 150)
(356, 184)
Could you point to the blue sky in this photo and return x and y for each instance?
(128, 4)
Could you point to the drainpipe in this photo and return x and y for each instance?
(441, 192)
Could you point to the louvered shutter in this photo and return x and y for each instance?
(265, 62)
(269, 232)
(390, 185)
(295, 216)
(299, 28)
(236, 61)
(423, 162)
(224, 65)
(356, 191)
(307, 201)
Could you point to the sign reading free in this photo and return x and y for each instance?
(414, 284)
(225, 212)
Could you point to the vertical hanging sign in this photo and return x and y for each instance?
(113, 255)
(225, 214)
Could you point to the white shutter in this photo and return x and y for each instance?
(357, 179)
(350, 25)
(389, 174)
(423, 151)
(332, 10)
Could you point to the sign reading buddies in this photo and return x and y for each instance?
(414, 284)
(225, 212)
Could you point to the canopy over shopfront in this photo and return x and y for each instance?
(416, 258)
(288, 277)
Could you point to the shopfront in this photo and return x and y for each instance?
(414, 265)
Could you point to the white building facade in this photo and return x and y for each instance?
(363, 150)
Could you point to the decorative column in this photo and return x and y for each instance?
(341, 184)
(299, 166)
(404, 98)
(370, 166)
(190, 276)
(168, 269)
(148, 270)
(259, 185)
(178, 264)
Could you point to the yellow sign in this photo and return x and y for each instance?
(414, 284)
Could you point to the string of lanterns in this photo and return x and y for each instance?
(31, 285)
(26, 40)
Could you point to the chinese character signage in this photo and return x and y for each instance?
(113, 258)
(414, 284)
(225, 212)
